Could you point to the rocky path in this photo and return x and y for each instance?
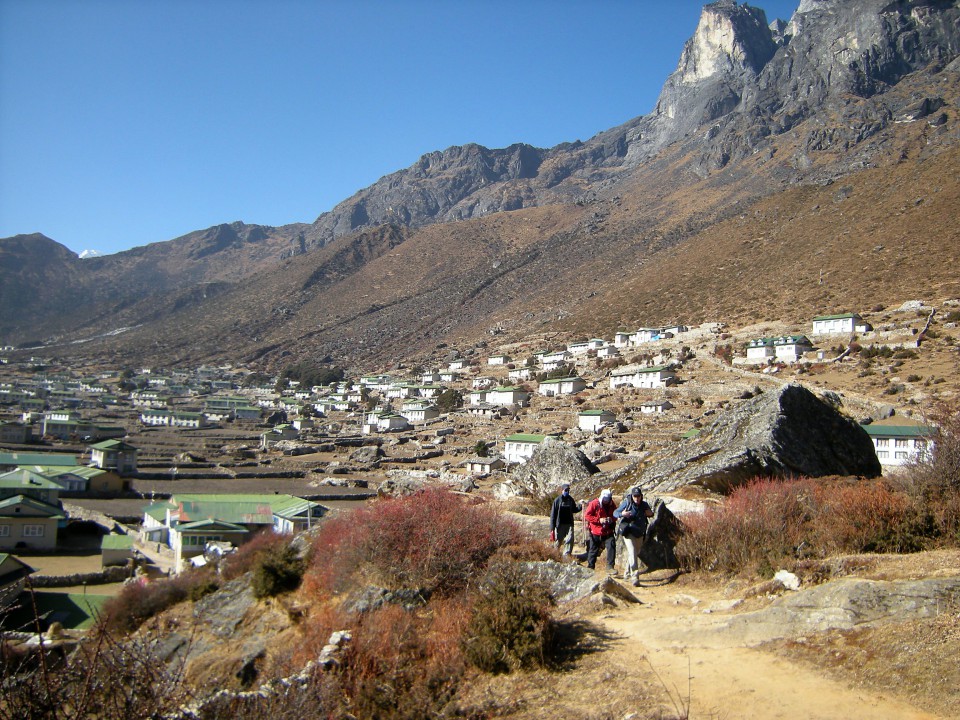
(710, 659)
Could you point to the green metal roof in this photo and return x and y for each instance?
(841, 316)
(112, 445)
(44, 509)
(561, 380)
(595, 412)
(115, 541)
(243, 509)
(17, 458)
(875, 430)
(211, 525)
(23, 478)
(524, 438)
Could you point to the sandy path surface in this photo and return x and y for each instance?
(728, 680)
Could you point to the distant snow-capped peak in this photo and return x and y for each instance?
(90, 254)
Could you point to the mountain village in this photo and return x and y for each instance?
(185, 460)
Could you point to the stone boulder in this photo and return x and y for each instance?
(368, 454)
(779, 433)
(553, 464)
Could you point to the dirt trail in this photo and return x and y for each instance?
(727, 680)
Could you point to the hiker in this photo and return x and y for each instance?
(599, 518)
(561, 519)
(632, 527)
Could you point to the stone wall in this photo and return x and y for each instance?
(102, 577)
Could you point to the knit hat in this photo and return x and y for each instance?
(607, 493)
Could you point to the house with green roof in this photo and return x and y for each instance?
(116, 549)
(594, 420)
(186, 523)
(13, 460)
(519, 447)
(31, 482)
(655, 376)
(26, 522)
(114, 455)
(900, 442)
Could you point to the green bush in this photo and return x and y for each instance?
(511, 627)
(279, 570)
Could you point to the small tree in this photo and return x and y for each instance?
(480, 449)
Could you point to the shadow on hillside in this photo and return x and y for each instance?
(575, 639)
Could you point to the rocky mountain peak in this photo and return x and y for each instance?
(730, 38)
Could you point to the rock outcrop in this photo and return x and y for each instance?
(782, 433)
(553, 464)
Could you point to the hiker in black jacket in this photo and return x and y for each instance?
(561, 519)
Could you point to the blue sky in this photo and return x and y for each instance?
(128, 122)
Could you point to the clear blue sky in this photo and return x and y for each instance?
(126, 122)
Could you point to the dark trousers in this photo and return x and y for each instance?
(593, 551)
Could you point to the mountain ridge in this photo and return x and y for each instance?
(735, 122)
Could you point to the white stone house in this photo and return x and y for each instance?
(655, 406)
(760, 351)
(477, 397)
(644, 335)
(484, 466)
(791, 348)
(401, 391)
(562, 386)
(522, 373)
(846, 323)
(608, 351)
(429, 378)
(519, 448)
(429, 391)
(593, 420)
(655, 376)
(419, 412)
(482, 383)
(278, 434)
(498, 360)
(508, 395)
(459, 364)
(486, 410)
(621, 339)
(897, 445)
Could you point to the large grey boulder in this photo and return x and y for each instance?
(553, 464)
(780, 433)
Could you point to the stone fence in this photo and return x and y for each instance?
(101, 577)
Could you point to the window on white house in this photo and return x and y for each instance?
(4, 531)
(33, 530)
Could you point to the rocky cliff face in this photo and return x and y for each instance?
(739, 81)
(816, 98)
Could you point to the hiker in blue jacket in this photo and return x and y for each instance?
(633, 514)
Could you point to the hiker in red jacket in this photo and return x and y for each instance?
(599, 518)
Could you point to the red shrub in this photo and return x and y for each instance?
(434, 540)
(249, 555)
